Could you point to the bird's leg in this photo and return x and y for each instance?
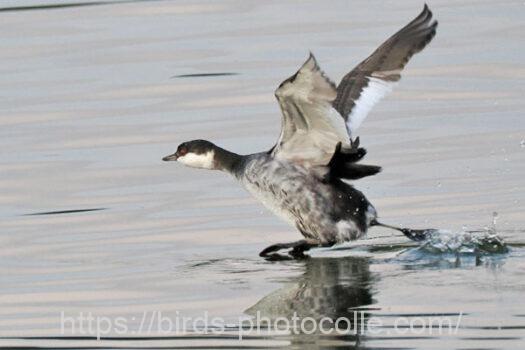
(415, 235)
(297, 252)
(279, 246)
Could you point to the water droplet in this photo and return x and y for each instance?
(494, 219)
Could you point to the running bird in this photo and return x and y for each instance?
(301, 177)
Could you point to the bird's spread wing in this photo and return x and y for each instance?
(317, 116)
(311, 127)
(373, 78)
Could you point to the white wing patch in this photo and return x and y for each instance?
(371, 94)
(374, 77)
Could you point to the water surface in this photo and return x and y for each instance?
(92, 221)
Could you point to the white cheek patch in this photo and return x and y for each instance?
(204, 160)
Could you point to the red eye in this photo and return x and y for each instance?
(182, 151)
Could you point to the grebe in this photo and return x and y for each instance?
(302, 177)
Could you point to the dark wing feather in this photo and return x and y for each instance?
(343, 164)
(373, 78)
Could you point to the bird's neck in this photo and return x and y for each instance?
(226, 160)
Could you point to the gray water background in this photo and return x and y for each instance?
(90, 103)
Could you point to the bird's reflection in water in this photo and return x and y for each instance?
(329, 288)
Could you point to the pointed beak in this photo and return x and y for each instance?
(171, 157)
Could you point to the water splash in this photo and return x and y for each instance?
(464, 242)
(486, 241)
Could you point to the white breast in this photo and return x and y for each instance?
(270, 202)
(262, 180)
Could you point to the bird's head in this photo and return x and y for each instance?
(195, 154)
